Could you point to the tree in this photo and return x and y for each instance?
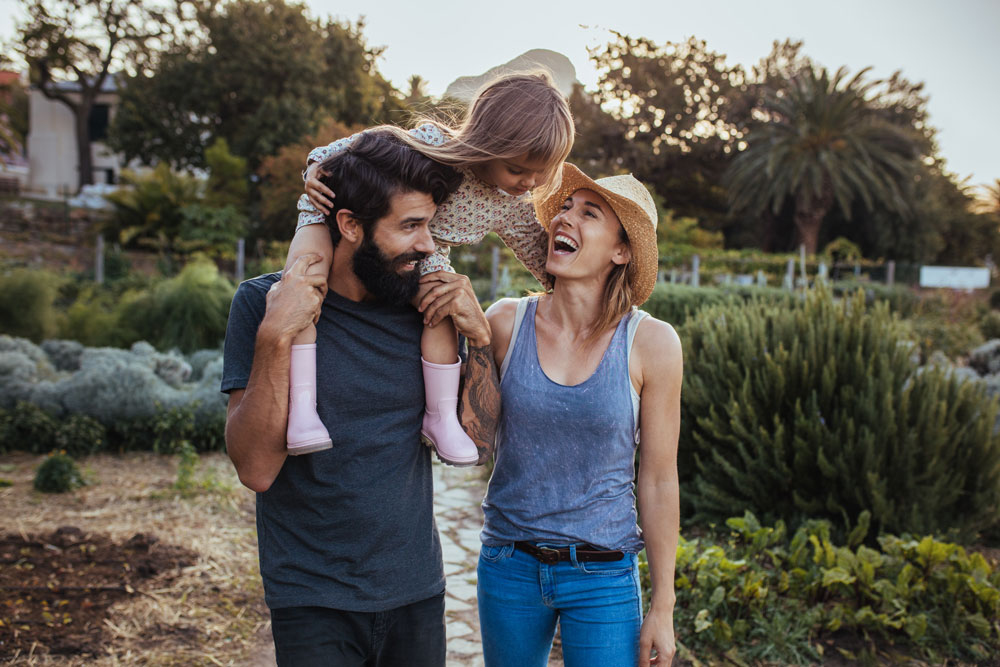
(260, 74)
(83, 42)
(674, 105)
(281, 180)
(823, 140)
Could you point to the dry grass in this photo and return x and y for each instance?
(213, 613)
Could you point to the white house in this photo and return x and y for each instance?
(52, 154)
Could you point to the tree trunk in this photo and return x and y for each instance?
(809, 214)
(83, 151)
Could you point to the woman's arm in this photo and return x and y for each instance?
(657, 350)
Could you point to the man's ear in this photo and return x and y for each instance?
(350, 228)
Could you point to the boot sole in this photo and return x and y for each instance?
(309, 447)
(458, 464)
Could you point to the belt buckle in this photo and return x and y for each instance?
(549, 555)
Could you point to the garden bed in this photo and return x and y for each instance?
(131, 569)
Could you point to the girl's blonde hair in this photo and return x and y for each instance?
(510, 116)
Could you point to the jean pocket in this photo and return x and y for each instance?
(618, 568)
(495, 554)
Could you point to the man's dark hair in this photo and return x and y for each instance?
(373, 168)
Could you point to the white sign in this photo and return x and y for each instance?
(954, 277)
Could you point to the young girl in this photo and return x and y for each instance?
(516, 135)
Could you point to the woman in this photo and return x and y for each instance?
(583, 372)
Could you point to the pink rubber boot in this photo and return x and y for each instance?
(441, 425)
(306, 432)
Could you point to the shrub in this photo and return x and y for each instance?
(81, 435)
(58, 474)
(63, 354)
(819, 411)
(990, 325)
(31, 429)
(188, 312)
(758, 593)
(676, 303)
(162, 432)
(26, 304)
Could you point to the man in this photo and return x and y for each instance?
(349, 552)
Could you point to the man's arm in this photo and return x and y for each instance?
(257, 415)
(451, 294)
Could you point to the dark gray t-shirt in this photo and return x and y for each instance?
(350, 527)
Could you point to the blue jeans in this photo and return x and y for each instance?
(598, 607)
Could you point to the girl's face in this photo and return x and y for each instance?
(585, 238)
(515, 176)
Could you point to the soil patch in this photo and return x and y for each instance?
(130, 569)
(57, 588)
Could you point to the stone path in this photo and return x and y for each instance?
(458, 493)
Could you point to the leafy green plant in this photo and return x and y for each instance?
(27, 304)
(990, 325)
(58, 474)
(80, 435)
(31, 429)
(164, 432)
(818, 411)
(760, 593)
(188, 311)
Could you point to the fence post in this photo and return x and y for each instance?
(890, 272)
(494, 271)
(99, 261)
(802, 264)
(789, 281)
(695, 267)
(241, 249)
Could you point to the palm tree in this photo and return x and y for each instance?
(820, 140)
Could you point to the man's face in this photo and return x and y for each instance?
(386, 260)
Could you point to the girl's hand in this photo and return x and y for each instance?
(319, 195)
(657, 634)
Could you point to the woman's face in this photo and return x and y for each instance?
(585, 238)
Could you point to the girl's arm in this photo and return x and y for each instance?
(657, 350)
(529, 241)
(312, 240)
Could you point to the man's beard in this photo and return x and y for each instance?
(380, 275)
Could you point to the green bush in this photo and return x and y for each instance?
(26, 304)
(58, 474)
(188, 311)
(989, 326)
(81, 435)
(164, 432)
(31, 429)
(676, 303)
(759, 594)
(818, 411)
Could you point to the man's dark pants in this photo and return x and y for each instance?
(412, 635)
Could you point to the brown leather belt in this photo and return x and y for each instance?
(553, 555)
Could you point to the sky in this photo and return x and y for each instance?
(950, 46)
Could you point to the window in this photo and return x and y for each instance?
(97, 123)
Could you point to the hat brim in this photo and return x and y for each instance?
(641, 232)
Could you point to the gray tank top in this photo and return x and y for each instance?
(565, 458)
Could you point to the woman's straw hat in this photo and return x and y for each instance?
(635, 209)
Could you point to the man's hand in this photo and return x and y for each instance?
(443, 294)
(294, 302)
(320, 195)
(657, 633)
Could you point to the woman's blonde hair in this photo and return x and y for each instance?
(510, 116)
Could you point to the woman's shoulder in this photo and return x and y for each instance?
(503, 311)
(656, 342)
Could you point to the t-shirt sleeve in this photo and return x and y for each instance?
(429, 133)
(521, 231)
(245, 316)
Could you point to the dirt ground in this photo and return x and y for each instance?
(130, 570)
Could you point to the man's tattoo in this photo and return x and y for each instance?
(479, 409)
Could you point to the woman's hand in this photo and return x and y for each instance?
(657, 634)
(319, 195)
